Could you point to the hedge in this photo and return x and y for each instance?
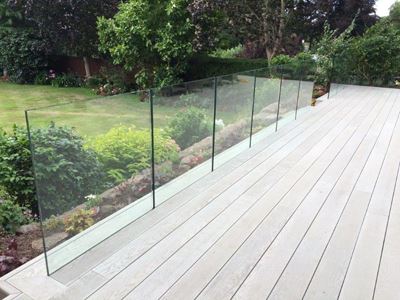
(201, 67)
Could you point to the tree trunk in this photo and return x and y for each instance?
(5, 73)
(87, 67)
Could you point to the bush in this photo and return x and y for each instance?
(12, 216)
(66, 172)
(202, 67)
(189, 126)
(79, 221)
(23, 54)
(16, 175)
(126, 151)
(42, 79)
(66, 80)
(374, 58)
(228, 53)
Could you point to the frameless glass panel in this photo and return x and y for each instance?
(92, 167)
(183, 123)
(266, 103)
(233, 117)
(289, 94)
(306, 76)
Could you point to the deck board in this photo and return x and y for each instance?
(311, 211)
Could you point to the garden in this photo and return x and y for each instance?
(135, 113)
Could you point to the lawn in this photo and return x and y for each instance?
(88, 113)
(76, 107)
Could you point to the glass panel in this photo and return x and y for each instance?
(306, 89)
(92, 167)
(183, 125)
(266, 103)
(289, 95)
(233, 118)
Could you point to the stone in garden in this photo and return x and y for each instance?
(51, 241)
(107, 209)
(24, 229)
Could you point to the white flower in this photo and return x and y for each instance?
(220, 123)
(90, 197)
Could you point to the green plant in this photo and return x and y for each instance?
(125, 151)
(53, 224)
(331, 45)
(189, 126)
(12, 216)
(92, 201)
(281, 59)
(228, 53)
(66, 80)
(78, 221)
(42, 78)
(22, 54)
(151, 37)
(65, 171)
(373, 58)
(16, 175)
(201, 66)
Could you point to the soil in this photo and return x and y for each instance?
(24, 242)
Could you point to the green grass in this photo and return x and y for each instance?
(76, 107)
(82, 109)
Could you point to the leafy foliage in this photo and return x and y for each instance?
(329, 47)
(126, 151)
(66, 80)
(189, 126)
(65, 171)
(79, 221)
(16, 174)
(68, 26)
(152, 37)
(12, 216)
(228, 53)
(201, 66)
(23, 54)
(372, 59)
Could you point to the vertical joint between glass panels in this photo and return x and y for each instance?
(153, 176)
(252, 109)
(279, 100)
(298, 95)
(214, 124)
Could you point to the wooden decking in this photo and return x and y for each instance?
(311, 212)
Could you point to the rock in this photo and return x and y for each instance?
(107, 209)
(51, 241)
(24, 229)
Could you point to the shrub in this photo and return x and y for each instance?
(66, 80)
(42, 78)
(125, 151)
(79, 221)
(12, 216)
(16, 176)
(53, 224)
(280, 60)
(23, 54)
(228, 53)
(189, 126)
(65, 171)
(374, 58)
(201, 66)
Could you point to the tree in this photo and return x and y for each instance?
(394, 15)
(153, 38)
(261, 22)
(68, 25)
